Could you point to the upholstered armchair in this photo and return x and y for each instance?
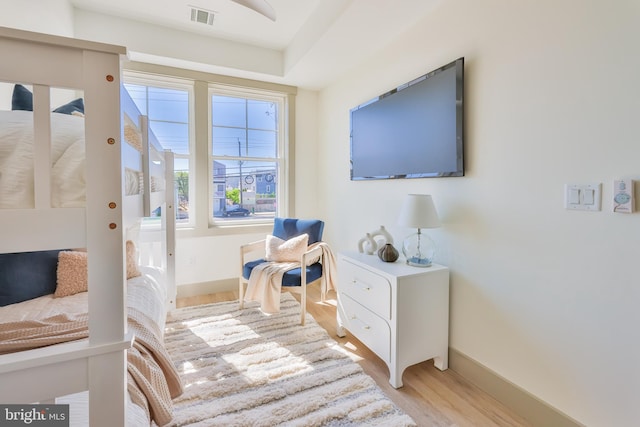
(305, 266)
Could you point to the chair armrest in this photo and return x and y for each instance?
(253, 246)
(310, 255)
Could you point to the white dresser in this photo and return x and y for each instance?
(400, 312)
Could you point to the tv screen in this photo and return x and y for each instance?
(413, 131)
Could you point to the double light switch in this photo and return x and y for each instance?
(583, 197)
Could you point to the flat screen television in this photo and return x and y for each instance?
(412, 131)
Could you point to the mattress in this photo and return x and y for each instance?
(146, 293)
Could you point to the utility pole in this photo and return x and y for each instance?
(240, 167)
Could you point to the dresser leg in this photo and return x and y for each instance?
(395, 377)
(441, 362)
(340, 331)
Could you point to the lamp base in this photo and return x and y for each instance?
(418, 249)
(419, 262)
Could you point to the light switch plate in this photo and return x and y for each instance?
(623, 196)
(583, 197)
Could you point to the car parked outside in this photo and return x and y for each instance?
(235, 210)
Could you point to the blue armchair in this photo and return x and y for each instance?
(292, 280)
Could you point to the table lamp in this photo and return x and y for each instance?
(418, 212)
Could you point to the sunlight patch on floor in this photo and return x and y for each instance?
(271, 362)
(330, 302)
(349, 349)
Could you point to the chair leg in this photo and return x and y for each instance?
(241, 292)
(303, 303)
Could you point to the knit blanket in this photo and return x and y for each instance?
(152, 380)
(265, 281)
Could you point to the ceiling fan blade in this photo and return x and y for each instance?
(260, 6)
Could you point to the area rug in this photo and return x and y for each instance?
(245, 368)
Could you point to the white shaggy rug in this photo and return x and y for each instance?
(244, 368)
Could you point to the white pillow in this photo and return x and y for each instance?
(291, 250)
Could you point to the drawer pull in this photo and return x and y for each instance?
(363, 325)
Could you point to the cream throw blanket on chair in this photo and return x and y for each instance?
(265, 281)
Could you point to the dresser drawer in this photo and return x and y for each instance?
(369, 289)
(372, 330)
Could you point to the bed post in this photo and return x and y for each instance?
(105, 237)
(169, 226)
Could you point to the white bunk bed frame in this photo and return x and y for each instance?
(99, 363)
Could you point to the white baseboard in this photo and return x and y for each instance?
(523, 403)
(205, 288)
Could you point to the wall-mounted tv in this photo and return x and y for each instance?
(412, 131)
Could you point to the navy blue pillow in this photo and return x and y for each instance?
(22, 99)
(27, 275)
(75, 105)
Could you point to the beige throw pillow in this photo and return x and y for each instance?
(71, 273)
(291, 250)
(132, 260)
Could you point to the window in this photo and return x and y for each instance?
(247, 154)
(166, 102)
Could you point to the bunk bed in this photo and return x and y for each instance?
(123, 177)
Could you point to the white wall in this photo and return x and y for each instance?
(547, 298)
(44, 16)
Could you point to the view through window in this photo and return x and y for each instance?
(246, 156)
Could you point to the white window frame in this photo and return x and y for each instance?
(281, 160)
(169, 82)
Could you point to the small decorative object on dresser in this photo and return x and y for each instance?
(372, 242)
(400, 313)
(367, 245)
(382, 236)
(388, 253)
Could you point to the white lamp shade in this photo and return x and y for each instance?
(418, 211)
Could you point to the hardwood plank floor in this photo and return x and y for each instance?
(431, 397)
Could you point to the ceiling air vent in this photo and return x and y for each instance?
(202, 16)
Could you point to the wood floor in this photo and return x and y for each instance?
(431, 397)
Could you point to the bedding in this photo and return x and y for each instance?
(16, 160)
(67, 162)
(152, 380)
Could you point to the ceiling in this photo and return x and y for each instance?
(319, 39)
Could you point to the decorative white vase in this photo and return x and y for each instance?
(367, 244)
(382, 236)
